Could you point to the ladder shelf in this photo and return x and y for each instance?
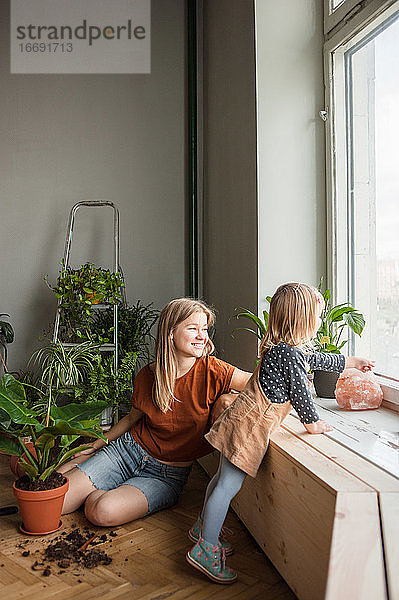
(108, 347)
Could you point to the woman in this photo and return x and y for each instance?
(149, 454)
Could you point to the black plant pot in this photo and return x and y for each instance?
(324, 383)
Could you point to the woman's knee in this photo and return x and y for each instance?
(115, 507)
(99, 509)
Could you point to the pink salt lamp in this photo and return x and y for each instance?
(356, 390)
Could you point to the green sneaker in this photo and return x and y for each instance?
(196, 531)
(211, 560)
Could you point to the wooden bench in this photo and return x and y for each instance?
(326, 516)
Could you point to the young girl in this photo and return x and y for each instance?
(147, 460)
(242, 432)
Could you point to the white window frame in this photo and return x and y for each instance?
(335, 17)
(347, 35)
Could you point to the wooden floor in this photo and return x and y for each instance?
(147, 558)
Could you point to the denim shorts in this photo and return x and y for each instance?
(124, 462)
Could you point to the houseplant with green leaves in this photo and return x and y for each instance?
(78, 290)
(135, 323)
(52, 432)
(61, 368)
(104, 384)
(337, 321)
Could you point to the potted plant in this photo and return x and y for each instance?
(6, 337)
(134, 329)
(335, 322)
(103, 384)
(78, 290)
(40, 492)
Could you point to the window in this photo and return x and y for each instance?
(336, 11)
(362, 67)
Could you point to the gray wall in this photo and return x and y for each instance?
(259, 236)
(291, 150)
(66, 138)
(230, 212)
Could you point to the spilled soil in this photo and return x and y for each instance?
(70, 550)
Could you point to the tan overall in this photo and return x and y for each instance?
(242, 431)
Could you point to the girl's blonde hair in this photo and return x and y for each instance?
(171, 316)
(293, 314)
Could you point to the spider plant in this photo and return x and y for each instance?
(63, 367)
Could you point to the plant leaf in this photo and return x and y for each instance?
(77, 412)
(10, 446)
(29, 469)
(355, 321)
(13, 401)
(331, 348)
(247, 329)
(254, 318)
(7, 330)
(64, 428)
(336, 313)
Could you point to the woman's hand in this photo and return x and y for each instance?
(317, 427)
(94, 447)
(363, 364)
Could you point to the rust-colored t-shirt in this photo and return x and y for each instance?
(178, 434)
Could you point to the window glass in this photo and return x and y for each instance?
(372, 81)
(336, 3)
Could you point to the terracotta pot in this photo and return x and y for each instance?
(324, 383)
(41, 511)
(15, 461)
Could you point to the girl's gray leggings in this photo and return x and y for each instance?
(222, 488)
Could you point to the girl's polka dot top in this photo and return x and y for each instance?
(283, 376)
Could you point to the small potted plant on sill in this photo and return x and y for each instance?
(335, 321)
(40, 492)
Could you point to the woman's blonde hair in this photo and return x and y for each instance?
(171, 316)
(292, 316)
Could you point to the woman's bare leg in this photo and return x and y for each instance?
(115, 507)
(80, 487)
(68, 466)
(121, 505)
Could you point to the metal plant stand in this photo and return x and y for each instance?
(111, 347)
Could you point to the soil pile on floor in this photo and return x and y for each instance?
(65, 550)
